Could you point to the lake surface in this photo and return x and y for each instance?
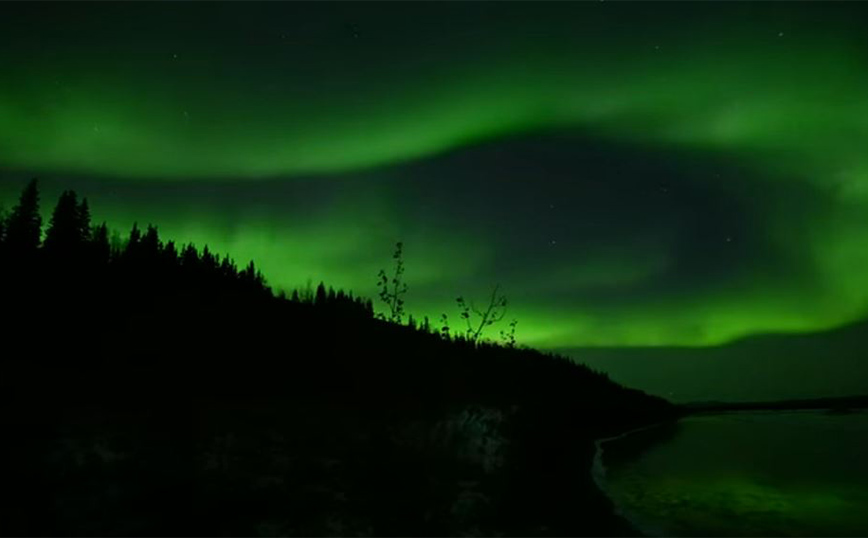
(801, 473)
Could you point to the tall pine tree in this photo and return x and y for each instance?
(83, 221)
(66, 232)
(24, 226)
(100, 246)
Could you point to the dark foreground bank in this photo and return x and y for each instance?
(265, 468)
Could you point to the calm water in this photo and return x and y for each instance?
(745, 474)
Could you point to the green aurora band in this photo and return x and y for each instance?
(781, 93)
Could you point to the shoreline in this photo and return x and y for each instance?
(598, 475)
(599, 470)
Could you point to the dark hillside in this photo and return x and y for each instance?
(153, 388)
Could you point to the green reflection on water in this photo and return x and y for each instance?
(688, 485)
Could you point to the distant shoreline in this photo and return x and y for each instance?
(842, 404)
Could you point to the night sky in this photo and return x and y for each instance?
(631, 174)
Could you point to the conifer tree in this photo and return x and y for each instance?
(100, 246)
(83, 214)
(228, 269)
(65, 235)
(208, 259)
(321, 295)
(150, 243)
(24, 225)
(134, 242)
(189, 257)
(169, 254)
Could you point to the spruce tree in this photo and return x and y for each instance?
(134, 242)
(24, 225)
(64, 236)
(151, 243)
(83, 214)
(321, 295)
(100, 245)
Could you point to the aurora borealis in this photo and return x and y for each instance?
(632, 174)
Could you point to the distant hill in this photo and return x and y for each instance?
(840, 405)
(154, 388)
(758, 368)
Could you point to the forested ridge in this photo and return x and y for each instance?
(156, 388)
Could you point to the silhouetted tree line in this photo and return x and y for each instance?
(236, 411)
(72, 243)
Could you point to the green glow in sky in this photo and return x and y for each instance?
(780, 95)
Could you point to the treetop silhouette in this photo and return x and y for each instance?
(24, 224)
(69, 228)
